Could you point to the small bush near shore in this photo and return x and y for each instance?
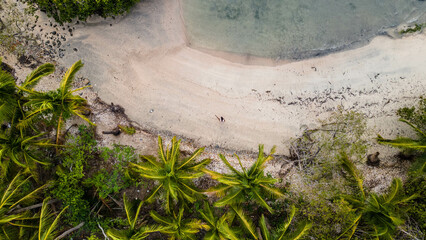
(67, 10)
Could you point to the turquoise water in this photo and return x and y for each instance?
(292, 29)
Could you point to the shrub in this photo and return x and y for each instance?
(416, 184)
(113, 179)
(68, 187)
(67, 10)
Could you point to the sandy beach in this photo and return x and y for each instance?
(144, 63)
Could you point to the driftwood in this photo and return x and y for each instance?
(19, 210)
(66, 233)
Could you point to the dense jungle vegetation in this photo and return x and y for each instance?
(68, 10)
(56, 185)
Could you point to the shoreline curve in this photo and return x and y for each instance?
(141, 61)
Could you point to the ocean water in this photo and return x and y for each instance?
(293, 29)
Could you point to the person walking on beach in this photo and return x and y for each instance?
(221, 119)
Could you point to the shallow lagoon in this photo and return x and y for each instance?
(292, 29)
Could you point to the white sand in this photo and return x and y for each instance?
(143, 63)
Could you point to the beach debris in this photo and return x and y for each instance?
(117, 108)
(115, 132)
(373, 159)
(151, 111)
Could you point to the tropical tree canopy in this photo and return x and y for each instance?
(240, 186)
(173, 174)
(380, 212)
(8, 96)
(136, 231)
(178, 227)
(219, 226)
(283, 232)
(13, 196)
(416, 119)
(60, 104)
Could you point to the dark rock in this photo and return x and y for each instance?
(114, 132)
(54, 32)
(75, 49)
(6, 67)
(373, 159)
(117, 109)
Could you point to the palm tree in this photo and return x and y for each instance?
(415, 117)
(8, 96)
(380, 212)
(405, 142)
(177, 227)
(219, 227)
(282, 233)
(20, 149)
(136, 231)
(173, 174)
(60, 103)
(48, 223)
(11, 198)
(251, 184)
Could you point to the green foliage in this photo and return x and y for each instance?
(173, 173)
(93, 237)
(8, 96)
(416, 184)
(20, 150)
(113, 180)
(329, 217)
(127, 129)
(66, 10)
(283, 232)
(416, 28)
(381, 212)
(48, 223)
(416, 119)
(248, 185)
(13, 194)
(179, 227)
(136, 231)
(59, 104)
(68, 187)
(219, 228)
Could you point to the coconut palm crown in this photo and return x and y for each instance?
(136, 230)
(283, 233)
(380, 212)
(240, 186)
(177, 227)
(60, 104)
(219, 227)
(172, 173)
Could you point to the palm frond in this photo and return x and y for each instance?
(232, 198)
(48, 224)
(245, 221)
(132, 211)
(35, 76)
(264, 230)
(352, 171)
(191, 158)
(68, 78)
